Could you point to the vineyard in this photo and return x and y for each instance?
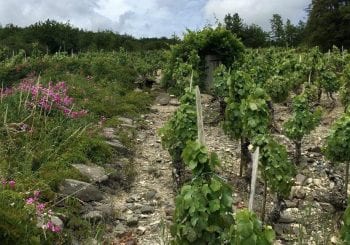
(154, 147)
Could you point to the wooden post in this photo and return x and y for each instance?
(191, 81)
(199, 117)
(254, 176)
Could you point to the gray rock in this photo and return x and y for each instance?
(174, 102)
(119, 147)
(94, 173)
(289, 231)
(126, 121)
(141, 230)
(107, 210)
(93, 216)
(129, 206)
(317, 182)
(329, 208)
(82, 190)
(163, 99)
(120, 229)
(292, 203)
(147, 209)
(109, 133)
(57, 221)
(289, 216)
(132, 221)
(298, 192)
(300, 179)
(130, 200)
(150, 194)
(54, 219)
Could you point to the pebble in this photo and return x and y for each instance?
(147, 210)
(141, 230)
(132, 221)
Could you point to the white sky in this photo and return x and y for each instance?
(147, 18)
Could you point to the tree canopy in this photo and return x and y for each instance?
(329, 23)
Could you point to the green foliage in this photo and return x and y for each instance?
(252, 36)
(338, 142)
(277, 87)
(17, 225)
(345, 232)
(191, 52)
(255, 113)
(203, 212)
(278, 32)
(303, 120)
(239, 88)
(328, 24)
(196, 157)
(181, 127)
(51, 36)
(249, 230)
(233, 120)
(221, 81)
(49, 142)
(182, 73)
(276, 168)
(329, 81)
(345, 87)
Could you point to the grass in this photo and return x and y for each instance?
(38, 146)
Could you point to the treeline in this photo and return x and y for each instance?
(328, 24)
(51, 36)
(253, 36)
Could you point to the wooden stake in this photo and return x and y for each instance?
(191, 81)
(254, 176)
(199, 117)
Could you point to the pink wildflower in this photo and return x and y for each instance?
(40, 208)
(12, 184)
(52, 227)
(3, 182)
(36, 193)
(30, 200)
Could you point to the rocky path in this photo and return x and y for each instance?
(147, 208)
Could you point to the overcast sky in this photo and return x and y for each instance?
(147, 18)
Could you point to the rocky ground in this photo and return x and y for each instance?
(142, 214)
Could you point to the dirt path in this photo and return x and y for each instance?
(148, 206)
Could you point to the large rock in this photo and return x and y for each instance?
(109, 133)
(163, 99)
(54, 219)
(94, 173)
(82, 190)
(93, 216)
(119, 147)
(300, 179)
(125, 120)
(174, 102)
(289, 215)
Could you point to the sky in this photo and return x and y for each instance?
(148, 18)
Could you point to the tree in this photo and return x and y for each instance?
(293, 34)
(278, 35)
(234, 23)
(252, 36)
(328, 23)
